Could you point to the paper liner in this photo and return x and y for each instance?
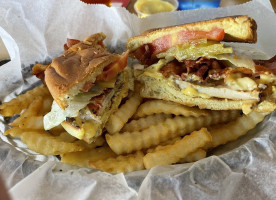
(35, 31)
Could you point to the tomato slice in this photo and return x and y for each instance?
(263, 66)
(167, 41)
(113, 69)
(87, 86)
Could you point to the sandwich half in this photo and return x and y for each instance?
(190, 64)
(87, 84)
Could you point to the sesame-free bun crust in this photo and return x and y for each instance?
(236, 28)
(83, 62)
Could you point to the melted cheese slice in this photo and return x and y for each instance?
(219, 91)
(236, 82)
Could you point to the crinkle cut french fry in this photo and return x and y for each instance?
(16, 105)
(120, 164)
(32, 110)
(118, 119)
(46, 144)
(81, 158)
(194, 156)
(128, 142)
(167, 107)
(162, 145)
(173, 153)
(233, 130)
(99, 141)
(145, 122)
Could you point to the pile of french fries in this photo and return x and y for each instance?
(141, 134)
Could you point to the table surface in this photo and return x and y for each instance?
(223, 3)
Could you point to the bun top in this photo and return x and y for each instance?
(83, 62)
(236, 28)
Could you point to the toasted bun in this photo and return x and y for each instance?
(83, 62)
(159, 88)
(236, 28)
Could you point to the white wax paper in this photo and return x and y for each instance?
(35, 31)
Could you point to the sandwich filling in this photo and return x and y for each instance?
(209, 69)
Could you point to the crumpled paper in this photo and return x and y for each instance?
(35, 31)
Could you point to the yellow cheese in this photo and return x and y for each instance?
(191, 91)
(246, 108)
(267, 78)
(274, 92)
(236, 82)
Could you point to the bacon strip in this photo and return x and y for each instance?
(38, 71)
(69, 43)
(87, 86)
(113, 69)
(96, 102)
(172, 68)
(202, 67)
(144, 55)
(266, 65)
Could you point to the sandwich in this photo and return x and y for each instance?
(87, 84)
(195, 65)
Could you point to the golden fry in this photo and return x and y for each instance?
(99, 141)
(142, 123)
(122, 115)
(173, 153)
(32, 122)
(167, 107)
(120, 164)
(81, 158)
(194, 156)
(16, 105)
(128, 142)
(162, 145)
(46, 144)
(47, 104)
(66, 137)
(57, 130)
(14, 132)
(224, 133)
(32, 110)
